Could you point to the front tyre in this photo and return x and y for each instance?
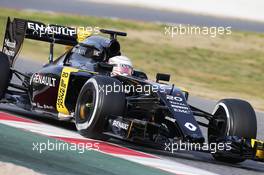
(234, 118)
(94, 105)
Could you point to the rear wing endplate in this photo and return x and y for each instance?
(18, 29)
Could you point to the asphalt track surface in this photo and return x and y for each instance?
(127, 12)
(194, 159)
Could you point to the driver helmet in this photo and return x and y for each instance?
(121, 65)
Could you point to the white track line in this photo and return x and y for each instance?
(153, 161)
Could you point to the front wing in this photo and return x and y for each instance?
(135, 130)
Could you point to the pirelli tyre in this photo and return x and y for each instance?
(233, 117)
(4, 74)
(95, 104)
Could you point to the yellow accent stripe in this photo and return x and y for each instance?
(63, 86)
(259, 148)
(260, 154)
(183, 89)
(129, 129)
(253, 141)
(82, 34)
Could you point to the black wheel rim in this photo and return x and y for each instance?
(86, 105)
(218, 127)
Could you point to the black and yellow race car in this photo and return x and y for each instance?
(74, 86)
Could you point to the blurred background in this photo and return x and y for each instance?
(211, 67)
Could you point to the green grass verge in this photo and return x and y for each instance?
(220, 67)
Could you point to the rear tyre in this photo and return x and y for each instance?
(237, 118)
(94, 106)
(4, 74)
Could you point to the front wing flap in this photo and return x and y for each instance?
(241, 148)
(252, 149)
(258, 148)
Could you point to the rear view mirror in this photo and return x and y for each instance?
(162, 77)
(140, 74)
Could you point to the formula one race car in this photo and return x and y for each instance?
(78, 86)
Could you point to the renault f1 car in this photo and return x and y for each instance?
(78, 86)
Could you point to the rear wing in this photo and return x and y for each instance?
(18, 29)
